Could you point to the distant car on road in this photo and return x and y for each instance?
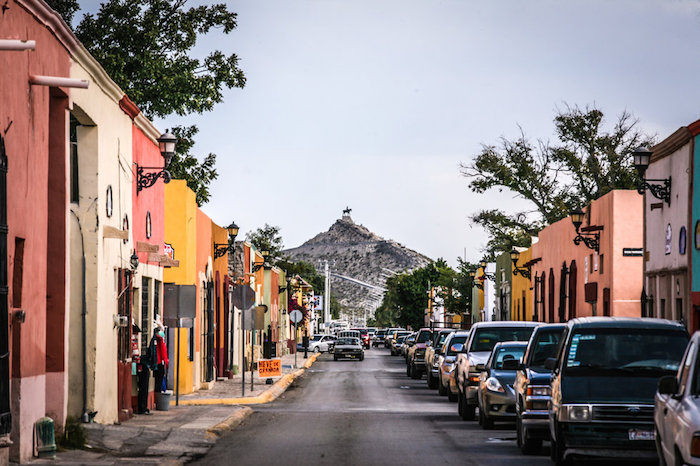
(378, 338)
(320, 343)
(348, 347)
(495, 394)
(604, 383)
(432, 353)
(364, 337)
(454, 344)
(415, 360)
(396, 345)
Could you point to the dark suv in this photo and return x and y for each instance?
(603, 385)
(533, 387)
(415, 360)
(432, 356)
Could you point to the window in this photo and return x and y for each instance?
(679, 308)
(145, 314)
(662, 308)
(74, 181)
(685, 368)
(17, 273)
(602, 264)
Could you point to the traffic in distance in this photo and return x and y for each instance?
(595, 387)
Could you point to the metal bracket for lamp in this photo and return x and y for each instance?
(146, 180)
(221, 249)
(660, 189)
(591, 240)
(524, 271)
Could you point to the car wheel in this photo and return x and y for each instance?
(362, 357)
(452, 397)
(432, 381)
(442, 391)
(659, 447)
(468, 411)
(415, 373)
(317, 349)
(335, 358)
(408, 370)
(526, 445)
(557, 454)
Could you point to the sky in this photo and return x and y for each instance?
(373, 104)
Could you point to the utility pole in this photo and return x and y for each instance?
(327, 298)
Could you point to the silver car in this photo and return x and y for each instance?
(320, 343)
(677, 411)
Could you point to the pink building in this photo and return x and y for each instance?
(572, 280)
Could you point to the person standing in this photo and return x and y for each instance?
(161, 358)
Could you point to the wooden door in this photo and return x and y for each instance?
(124, 405)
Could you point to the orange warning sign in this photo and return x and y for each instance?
(270, 368)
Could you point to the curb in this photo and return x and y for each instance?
(230, 423)
(267, 396)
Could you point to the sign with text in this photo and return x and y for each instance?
(633, 252)
(269, 368)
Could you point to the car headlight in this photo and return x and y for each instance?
(534, 390)
(575, 413)
(492, 384)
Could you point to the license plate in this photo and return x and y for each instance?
(636, 434)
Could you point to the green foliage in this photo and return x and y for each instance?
(308, 272)
(186, 166)
(66, 8)
(406, 298)
(268, 238)
(146, 46)
(73, 436)
(585, 163)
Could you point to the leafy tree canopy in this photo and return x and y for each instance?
(186, 166)
(308, 272)
(267, 238)
(586, 162)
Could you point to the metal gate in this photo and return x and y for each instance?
(5, 416)
(210, 331)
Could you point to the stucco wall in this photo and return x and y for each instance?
(522, 288)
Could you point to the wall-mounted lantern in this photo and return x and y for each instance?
(659, 188)
(524, 271)
(590, 236)
(221, 249)
(166, 144)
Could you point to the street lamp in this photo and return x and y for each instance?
(659, 188)
(524, 271)
(485, 274)
(475, 280)
(134, 261)
(259, 265)
(590, 236)
(166, 144)
(223, 248)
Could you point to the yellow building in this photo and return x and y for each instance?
(521, 302)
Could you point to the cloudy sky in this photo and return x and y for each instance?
(373, 104)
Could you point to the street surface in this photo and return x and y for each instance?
(369, 412)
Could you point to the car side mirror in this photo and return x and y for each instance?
(481, 367)
(457, 348)
(550, 363)
(511, 365)
(668, 385)
(428, 343)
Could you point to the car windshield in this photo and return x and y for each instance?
(423, 337)
(441, 339)
(454, 341)
(381, 333)
(545, 346)
(347, 341)
(487, 337)
(628, 351)
(317, 338)
(400, 339)
(507, 352)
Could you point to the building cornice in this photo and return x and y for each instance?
(53, 22)
(671, 144)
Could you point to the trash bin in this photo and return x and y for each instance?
(163, 400)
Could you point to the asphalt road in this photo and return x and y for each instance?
(350, 412)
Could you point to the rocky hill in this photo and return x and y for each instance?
(355, 252)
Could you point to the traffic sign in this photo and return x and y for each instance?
(295, 316)
(243, 297)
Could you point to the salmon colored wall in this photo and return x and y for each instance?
(146, 153)
(620, 214)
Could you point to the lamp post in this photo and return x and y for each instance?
(590, 236)
(221, 249)
(659, 188)
(524, 271)
(475, 280)
(166, 144)
(485, 274)
(259, 265)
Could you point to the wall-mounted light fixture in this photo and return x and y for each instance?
(477, 282)
(134, 261)
(166, 144)
(292, 282)
(485, 274)
(659, 188)
(223, 248)
(259, 265)
(524, 271)
(590, 236)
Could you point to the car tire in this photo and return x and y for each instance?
(335, 358)
(468, 411)
(362, 357)
(317, 349)
(452, 397)
(527, 446)
(442, 390)
(415, 373)
(432, 381)
(557, 454)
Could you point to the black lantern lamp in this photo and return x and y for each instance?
(166, 144)
(659, 188)
(524, 271)
(590, 236)
(134, 261)
(259, 265)
(221, 249)
(486, 275)
(292, 282)
(476, 281)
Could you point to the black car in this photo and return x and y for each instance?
(533, 386)
(603, 385)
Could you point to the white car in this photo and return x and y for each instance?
(320, 343)
(677, 411)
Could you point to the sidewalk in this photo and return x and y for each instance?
(185, 432)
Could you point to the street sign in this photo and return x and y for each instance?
(295, 316)
(243, 297)
(633, 252)
(269, 368)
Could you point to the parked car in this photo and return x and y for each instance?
(533, 386)
(432, 353)
(391, 334)
(396, 345)
(409, 340)
(604, 382)
(349, 334)
(378, 338)
(348, 347)
(364, 337)
(495, 394)
(320, 343)
(482, 338)
(454, 344)
(415, 360)
(677, 411)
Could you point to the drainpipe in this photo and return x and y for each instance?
(85, 417)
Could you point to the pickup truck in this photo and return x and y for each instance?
(482, 338)
(415, 359)
(432, 364)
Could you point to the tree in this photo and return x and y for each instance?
(146, 47)
(585, 163)
(308, 272)
(267, 238)
(186, 166)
